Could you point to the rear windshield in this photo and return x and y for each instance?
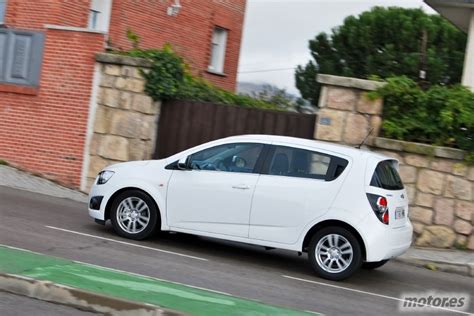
(386, 176)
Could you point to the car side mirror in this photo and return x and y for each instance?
(183, 163)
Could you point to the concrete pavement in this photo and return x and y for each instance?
(14, 305)
(448, 260)
(61, 228)
(13, 178)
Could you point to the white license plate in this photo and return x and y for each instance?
(399, 213)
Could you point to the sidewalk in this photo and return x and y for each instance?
(17, 179)
(454, 261)
(99, 285)
(448, 260)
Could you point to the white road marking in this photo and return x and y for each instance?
(127, 243)
(372, 294)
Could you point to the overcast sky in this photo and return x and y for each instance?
(276, 34)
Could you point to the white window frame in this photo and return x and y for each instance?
(218, 50)
(3, 4)
(99, 15)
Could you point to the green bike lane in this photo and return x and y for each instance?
(120, 284)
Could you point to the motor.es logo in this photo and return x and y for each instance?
(434, 301)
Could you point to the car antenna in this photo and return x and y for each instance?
(363, 142)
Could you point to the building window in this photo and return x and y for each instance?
(218, 49)
(99, 15)
(3, 9)
(93, 17)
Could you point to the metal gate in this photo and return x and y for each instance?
(184, 124)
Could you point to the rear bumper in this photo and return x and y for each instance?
(385, 243)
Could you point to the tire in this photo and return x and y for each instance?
(338, 263)
(373, 265)
(121, 209)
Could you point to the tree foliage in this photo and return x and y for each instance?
(281, 98)
(170, 78)
(440, 115)
(385, 42)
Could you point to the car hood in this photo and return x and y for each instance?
(128, 164)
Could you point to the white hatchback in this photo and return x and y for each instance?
(345, 207)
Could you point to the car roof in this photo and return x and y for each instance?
(316, 144)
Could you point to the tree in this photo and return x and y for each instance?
(385, 42)
(274, 95)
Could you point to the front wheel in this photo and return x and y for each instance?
(334, 253)
(134, 215)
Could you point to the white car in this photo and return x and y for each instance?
(345, 207)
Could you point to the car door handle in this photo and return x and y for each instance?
(241, 187)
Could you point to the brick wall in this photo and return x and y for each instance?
(189, 33)
(33, 15)
(43, 129)
(439, 184)
(44, 132)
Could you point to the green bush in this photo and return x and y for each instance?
(169, 78)
(441, 115)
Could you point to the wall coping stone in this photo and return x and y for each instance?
(349, 82)
(419, 148)
(108, 58)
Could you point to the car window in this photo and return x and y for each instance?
(295, 162)
(237, 157)
(386, 176)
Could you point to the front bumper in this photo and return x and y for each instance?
(104, 191)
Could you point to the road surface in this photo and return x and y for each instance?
(62, 228)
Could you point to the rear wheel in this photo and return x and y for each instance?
(134, 215)
(373, 265)
(334, 253)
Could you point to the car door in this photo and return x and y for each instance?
(296, 187)
(214, 193)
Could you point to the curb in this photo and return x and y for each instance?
(466, 269)
(80, 299)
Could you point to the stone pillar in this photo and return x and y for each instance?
(346, 113)
(126, 119)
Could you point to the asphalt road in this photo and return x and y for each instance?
(62, 228)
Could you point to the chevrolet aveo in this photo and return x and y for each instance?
(346, 207)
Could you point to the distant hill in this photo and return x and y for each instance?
(255, 89)
(249, 87)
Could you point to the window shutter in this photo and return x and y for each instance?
(3, 9)
(21, 55)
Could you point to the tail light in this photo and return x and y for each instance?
(379, 205)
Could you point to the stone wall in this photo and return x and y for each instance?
(126, 118)
(439, 184)
(346, 113)
(440, 188)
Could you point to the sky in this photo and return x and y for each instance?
(276, 34)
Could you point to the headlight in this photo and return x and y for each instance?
(104, 176)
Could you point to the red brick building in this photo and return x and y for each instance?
(47, 60)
